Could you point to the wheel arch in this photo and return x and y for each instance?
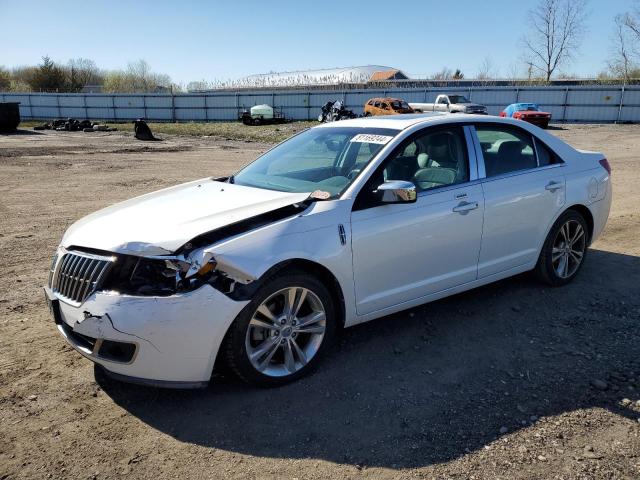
(586, 214)
(318, 270)
(299, 264)
(579, 208)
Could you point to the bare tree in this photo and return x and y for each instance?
(5, 79)
(621, 62)
(557, 28)
(444, 74)
(486, 70)
(138, 77)
(514, 72)
(631, 20)
(81, 72)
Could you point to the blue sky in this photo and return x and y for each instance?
(194, 40)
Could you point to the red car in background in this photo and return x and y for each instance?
(529, 112)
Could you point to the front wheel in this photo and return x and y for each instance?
(564, 250)
(282, 333)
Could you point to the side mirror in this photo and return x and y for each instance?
(396, 191)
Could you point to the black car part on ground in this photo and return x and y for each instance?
(74, 125)
(9, 116)
(335, 111)
(142, 131)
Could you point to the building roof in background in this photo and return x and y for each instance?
(327, 76)
(383, 75)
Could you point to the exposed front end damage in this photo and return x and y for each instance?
(169, 341)
(153, 316)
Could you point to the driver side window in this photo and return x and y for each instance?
(431, 159)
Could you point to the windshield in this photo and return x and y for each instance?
(458, 99)
(527, 106)
(325, 159)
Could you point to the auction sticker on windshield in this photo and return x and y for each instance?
(371, 138)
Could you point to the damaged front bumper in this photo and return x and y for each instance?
(169, 341)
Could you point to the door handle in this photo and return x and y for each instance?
(464, 207)
(553, 186)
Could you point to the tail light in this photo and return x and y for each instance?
(605, 164)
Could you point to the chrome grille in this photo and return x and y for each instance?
(78, 274)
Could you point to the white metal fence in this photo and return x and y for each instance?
(567, 104)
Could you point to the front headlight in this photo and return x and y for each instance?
(158, 276)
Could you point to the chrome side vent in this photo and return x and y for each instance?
(342, 234)
(78, 274)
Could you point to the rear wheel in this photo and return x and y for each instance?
(282, 333)
(564, 250)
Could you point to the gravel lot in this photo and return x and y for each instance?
(512, 380)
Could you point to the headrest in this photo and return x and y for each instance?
(423, 160)
(510, 148)
(439, 146)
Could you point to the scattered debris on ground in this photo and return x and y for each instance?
(74, 125)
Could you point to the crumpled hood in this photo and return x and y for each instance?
(160, 222)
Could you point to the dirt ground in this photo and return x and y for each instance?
(512, 380)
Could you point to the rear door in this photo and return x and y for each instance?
(406, 251)
(524, 189)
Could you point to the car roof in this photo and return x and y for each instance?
(395, 122)
(404, 121)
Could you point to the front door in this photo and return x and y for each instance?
(407, 251)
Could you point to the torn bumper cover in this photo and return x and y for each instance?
(169, 341)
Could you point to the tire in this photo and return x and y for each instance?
(561, 260)
(268, 348)
(367, 114)
(257, 121)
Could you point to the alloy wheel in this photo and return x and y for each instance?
(568, 249)
(285, 331)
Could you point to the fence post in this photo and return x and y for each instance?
(113, 107)
(425, 95)
(144, 105)
(621, 104)
(308, 106)
(206, 110)
(58, 104)
(173, 107)
(84, 103)
(564, 104)
(517, 94)
(30, 107)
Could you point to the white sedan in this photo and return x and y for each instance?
(338, 225)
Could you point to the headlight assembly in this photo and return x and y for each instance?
(159, 276)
